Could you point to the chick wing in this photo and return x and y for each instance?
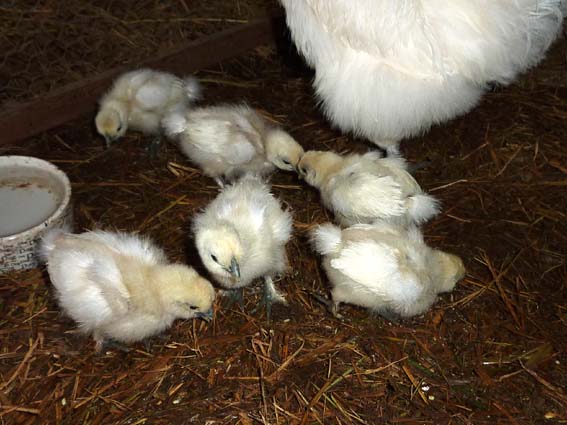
(356, 193)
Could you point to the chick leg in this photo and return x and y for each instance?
(101, 345)
(234, 296)
(388, 315)
(332, 306)
(154, 147)
(271, 295)
(412, 168)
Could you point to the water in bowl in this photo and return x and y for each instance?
(24, 205)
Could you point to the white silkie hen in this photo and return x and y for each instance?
(229, 141)
(140, 99)
(364, 188)
(385, 268)
(241, 236)
(120, 288)
(387, 70)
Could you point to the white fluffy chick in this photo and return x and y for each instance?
(229, 141)
(241, 236)
(120, 287)
(140, 99)
(385, 268)
(388, 70)
(364, 188)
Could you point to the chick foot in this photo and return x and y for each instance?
(388, 315)
(102, 345)
(153, 148)
(270, 296)
(332, 306)
(162, 338)
(234, 296)
(412, 168)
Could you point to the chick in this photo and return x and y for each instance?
(229, 141)
(385, 268)
(140, 99)
(364, 188)
(241, 236)
(120, 287)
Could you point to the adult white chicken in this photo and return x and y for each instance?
(386, 268)
(387, 70)
(120, 287)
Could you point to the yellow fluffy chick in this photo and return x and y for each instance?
(365, 188)
(139, 100)
(241, 236)
(120, 287)
(385, 268)
(228, 141)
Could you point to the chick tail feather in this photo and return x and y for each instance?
(326, 238)
(48, 242)
(545, 21)
(422, 207)
(192, 89)
(174, 123)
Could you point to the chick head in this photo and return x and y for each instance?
(186, 294)
(451, 270)
(282, 150)
(110, 124)
(315, 166)
(221, 251)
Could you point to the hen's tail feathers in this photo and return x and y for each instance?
(192, 89)
(422, 207)
(174, 123)
(47, 244)
(326, 238)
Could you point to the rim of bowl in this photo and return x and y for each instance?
(12, 160)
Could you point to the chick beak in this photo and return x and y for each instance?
(207, 316)
(234, 268)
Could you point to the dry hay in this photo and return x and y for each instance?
(493, 351)
(48, 43)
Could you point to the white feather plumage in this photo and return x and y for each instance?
(242, 234)
(121, 287)
(385, 268)
(364, 188)
(229, 141)
(140, 99)
(387, 70)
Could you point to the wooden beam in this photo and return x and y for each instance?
(71, 101)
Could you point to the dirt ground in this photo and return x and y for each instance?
(491, 352)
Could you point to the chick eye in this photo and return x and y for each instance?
(286, 162)
(193, 307)
(119, 127)
(303, 170)
(214, 258)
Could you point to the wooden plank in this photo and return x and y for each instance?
(71, 101)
